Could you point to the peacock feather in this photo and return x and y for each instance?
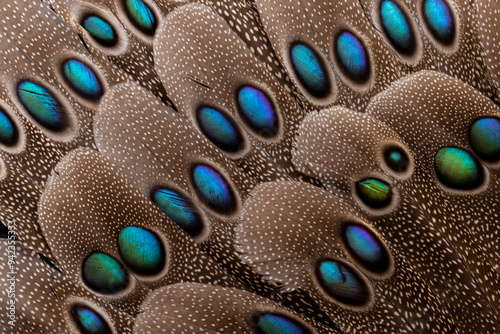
(266, 167)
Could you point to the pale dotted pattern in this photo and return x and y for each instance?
(195, 46)
(151, 144)
(305, 221)
(48, 41)
(340, 147)
(240, 15)
(88, 201)
(134, 52)
(14, 67)
(244, 21)
(35, 46)
(84, 207)
(421, 58)
(19, 197)
(317, 23)
(283, 28)
(45, 297)
(435, 95)
(462, 59)
(488, 20)
(199, 308)
(132, 129)
(31, 161)
(469, 220)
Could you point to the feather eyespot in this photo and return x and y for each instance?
(42, 105)
(458, 169)
(104, 274)
(396, 26)
(258, 111)
(100, 30)
(365, 247)
(141, 250)
(374, 193)
(485, 138)
(273, 323)
(339, 281)
(9, 134)
(213, 189)
(396, 159)
(352, 57)
(310, 70)
(141, 16)
(438, 18)
(178, 208)
(82, 79)
(89, 321)
(219, 129)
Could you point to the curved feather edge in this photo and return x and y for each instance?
(201, 308)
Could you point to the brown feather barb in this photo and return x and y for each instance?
(249, 166)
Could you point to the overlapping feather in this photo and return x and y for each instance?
(250, 167)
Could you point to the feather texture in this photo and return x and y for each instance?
(178, 166)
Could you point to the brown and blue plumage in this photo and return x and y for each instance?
(250, 166)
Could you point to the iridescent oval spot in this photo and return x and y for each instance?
(82, 79)
(141, 250)
(310, 70)
(273, 323)
(178, 208)
(8, 130)
(352, 57)
(141, 16)
(397, 159)
(341, 282)
(458, 169)
(42, 105)
(103, 274)
(219, 129)
(439, 20)
(100, 30)
(365, 247)
(485, 138)
(374, 193)
(213, 189)
(89, 321)
(396, 26)
(258, 111)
